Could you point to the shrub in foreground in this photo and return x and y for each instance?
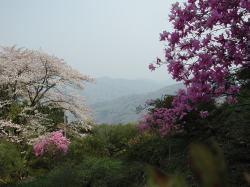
(12, 166)
(92, 171)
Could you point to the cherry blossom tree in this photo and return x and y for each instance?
(34, 79)
(11, 131)
(208, 50)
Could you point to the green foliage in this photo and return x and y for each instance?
(77, 149)
(164, 102)
(165, 153)
(40, 165)
(54, 116)
(152, 150)
(60, 176)
(90, 171)
(108, 140)
(13, 112)
(12, 166)
(207, 162)
(232, 132)
(244, 74)
(101, 172)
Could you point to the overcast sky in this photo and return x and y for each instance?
(115, 38)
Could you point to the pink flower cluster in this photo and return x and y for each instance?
(203, 114)
(157, 120)
(210, 43)
(166, 119)
(53, 143)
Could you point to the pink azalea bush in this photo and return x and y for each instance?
(209, 45)
(157, 119)
(53, 143)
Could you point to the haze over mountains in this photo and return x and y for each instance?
(115, 100)
(123, 109)
(106, 89)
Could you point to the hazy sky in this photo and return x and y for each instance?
(116, 38)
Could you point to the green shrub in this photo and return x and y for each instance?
(40, 165)
(168, 154)
(101, 172)
(12, 166)
(77, 149)
(105, 140)
(94, 172)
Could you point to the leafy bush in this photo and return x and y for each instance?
(106, 140)
(166, 153)
(12, 166)
(101, 172)
(77, 149)
(207, 163)
(91, 171)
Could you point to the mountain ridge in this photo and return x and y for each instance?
(123, 109)
(107, 89)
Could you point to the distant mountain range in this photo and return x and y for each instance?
(115, 100)
(107, 89)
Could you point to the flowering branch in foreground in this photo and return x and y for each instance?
(208, 48)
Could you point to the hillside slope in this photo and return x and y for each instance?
(123, 109)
